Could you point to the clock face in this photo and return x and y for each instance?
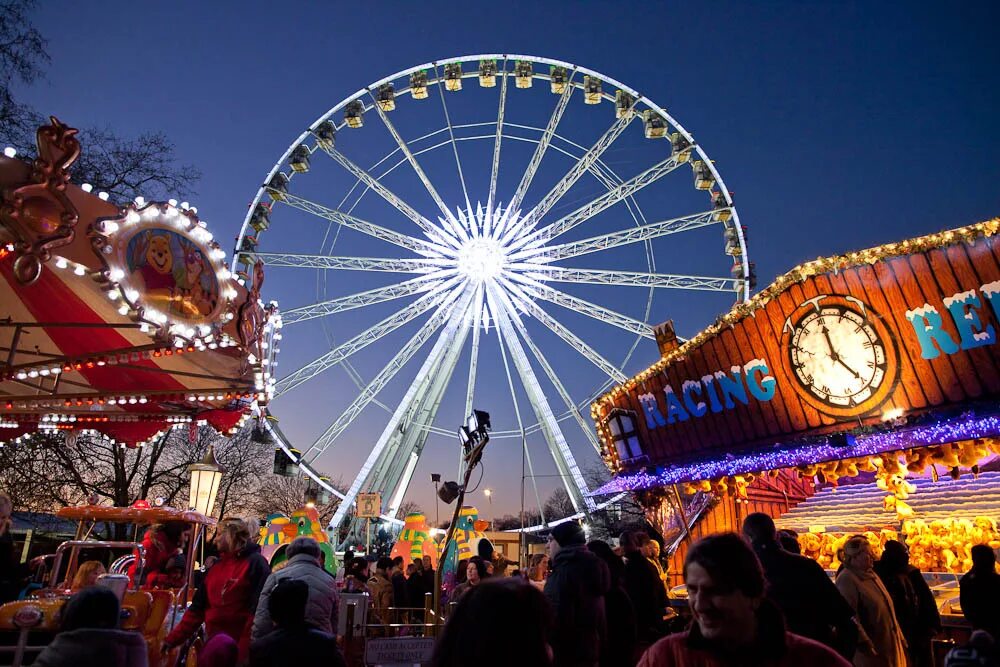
(838, 356)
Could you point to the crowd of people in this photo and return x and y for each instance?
(752, 599)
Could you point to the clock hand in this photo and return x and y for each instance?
(829, 343)
(849, 369)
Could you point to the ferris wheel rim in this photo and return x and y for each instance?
(368, 91)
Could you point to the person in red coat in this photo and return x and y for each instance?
(160, 543)
(734, 624)
(227, 599)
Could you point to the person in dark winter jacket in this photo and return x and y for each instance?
(89, 635)
(303, 564)
(734, 625)
(576, 590)
(227, 598)
(399, 598)
(912, 601)
(811, 603)
(501, 623)
(294, 641)
(980, 590)
(620, 647)
(644, 588)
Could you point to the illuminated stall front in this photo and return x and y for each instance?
(834, 400)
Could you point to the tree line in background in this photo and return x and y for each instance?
(124, 167)
(52, 470)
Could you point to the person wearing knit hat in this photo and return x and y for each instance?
(568, 534)
(576, 588)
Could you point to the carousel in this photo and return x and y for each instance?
(121, 323)
(121, 320)
(856, 394)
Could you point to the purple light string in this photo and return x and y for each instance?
(963, 428)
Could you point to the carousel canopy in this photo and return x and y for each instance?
(126, 321)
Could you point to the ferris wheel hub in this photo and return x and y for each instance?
(481, 259)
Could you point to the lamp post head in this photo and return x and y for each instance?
(205, 478)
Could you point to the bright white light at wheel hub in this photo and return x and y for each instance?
(481, 259)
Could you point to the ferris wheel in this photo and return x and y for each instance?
(493, 216)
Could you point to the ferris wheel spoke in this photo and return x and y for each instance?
(569, 471)
(581, 167)
(520, 426)
(415, 388)
(571, 339)
(418, 246)
(552, 375)
(451, 133)
(592, 310)
(543, 144)
(384, 264)
(491, 199)
(371, 390)
(331, 306)
(411, 158)
(616, 239)
(363, 339)
(601, 203)
(374, 184)
(628, 278)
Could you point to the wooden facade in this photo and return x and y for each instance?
(888, 333)
(773, 496)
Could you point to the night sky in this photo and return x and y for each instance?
(837, 126)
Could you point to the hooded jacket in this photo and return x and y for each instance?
(321, 609)
(576, 588)
(93, 647)
(227, 598)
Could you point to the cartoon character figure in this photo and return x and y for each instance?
(282, 529)
(465, 541)
(190, 276)
(152, 262)
(415, 541)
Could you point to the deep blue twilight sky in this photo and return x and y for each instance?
(837, 125)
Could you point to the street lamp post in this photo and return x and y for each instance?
(206, 475)
(489, 496)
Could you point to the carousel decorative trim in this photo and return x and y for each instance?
(164, 270)
(39, 213)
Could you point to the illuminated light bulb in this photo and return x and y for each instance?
(103, 196)
(10, 151)
(185, 205)
(140, 201)
(123, 309)
(61, 263)
(172, 202)
(79, 270)
(110, 226)
(116, 274)
(87, 187)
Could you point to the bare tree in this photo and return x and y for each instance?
(124, 167)
(558, 505)
(409, 507)
(287, 494)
